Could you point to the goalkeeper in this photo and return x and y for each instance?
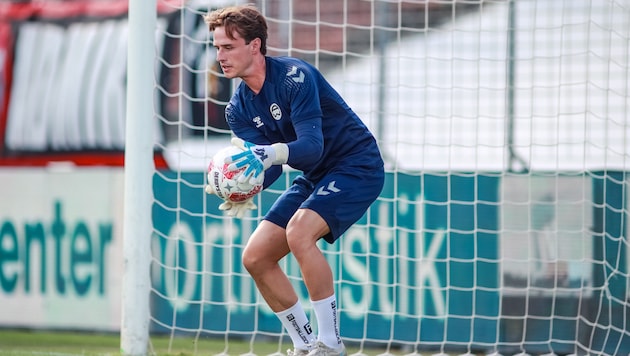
(285, 112)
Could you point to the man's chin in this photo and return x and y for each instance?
(229, 74)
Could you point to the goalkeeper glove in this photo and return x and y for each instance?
(257, 159)
(232, 208)
(237, 209)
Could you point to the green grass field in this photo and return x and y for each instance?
(22, 343)
(79, 343)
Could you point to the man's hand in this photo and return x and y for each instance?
(231, 208)
(237, 210)
(257, 159)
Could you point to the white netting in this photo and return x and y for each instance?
(502, 226)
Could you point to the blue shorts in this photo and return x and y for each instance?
(340, 198)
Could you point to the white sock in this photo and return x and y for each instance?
(328, 322)
(298, 326)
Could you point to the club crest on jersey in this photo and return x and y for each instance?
(275, 111)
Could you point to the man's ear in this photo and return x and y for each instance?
(255, 45)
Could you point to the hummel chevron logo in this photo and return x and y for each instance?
(293, 72)
(330, 188)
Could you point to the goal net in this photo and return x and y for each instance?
(502, 226)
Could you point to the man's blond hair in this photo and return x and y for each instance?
(245, 20)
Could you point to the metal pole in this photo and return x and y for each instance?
(137, 229)
(513, 157)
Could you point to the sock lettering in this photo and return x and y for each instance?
(299, 329)
(333, 306)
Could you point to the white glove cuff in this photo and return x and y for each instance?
(282, 153)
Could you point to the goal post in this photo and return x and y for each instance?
(502, 227)
(139, 169)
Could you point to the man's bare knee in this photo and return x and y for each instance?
(249, 261)
(266, 247)
(254, 262)
(304, 230)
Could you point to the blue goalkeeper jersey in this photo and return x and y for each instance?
(297, 106)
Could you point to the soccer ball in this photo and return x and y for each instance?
(225, 183)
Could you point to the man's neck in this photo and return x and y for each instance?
(256, 78)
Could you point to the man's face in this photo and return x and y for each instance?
(234, 56)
